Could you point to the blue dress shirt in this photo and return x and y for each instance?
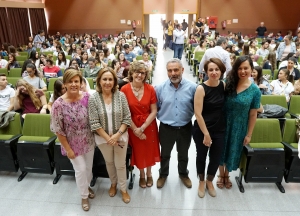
(175, 106)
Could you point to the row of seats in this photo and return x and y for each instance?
(269, 157)
(35, 149)
(293, 108)
(24, 58)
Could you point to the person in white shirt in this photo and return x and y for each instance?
(3, 62)
(61, 61)
(45, 48)
(178, 41)
(263, 51)
(7, 95)
(146, 61)
(217, 52)
(283, 85)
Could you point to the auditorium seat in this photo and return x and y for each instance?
(13, 80)
(294, 108)
(263, 160)
(15, 72)
(21, 58)
(292, 161)
(9, 137)
(51, 84)
(267, 72)
(63, 165)
(35, 148)
(3, 71)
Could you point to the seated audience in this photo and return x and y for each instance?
(263, 51)
(61, 61)
(51, 70)
(292, 62)
(259, 80)
(147, 61)
(59, 90)
(283, 85)
(129, 56)
(29, 99)
(91, 70)
(3, 62)
(7, 95)
(12, 62)
(33, 77)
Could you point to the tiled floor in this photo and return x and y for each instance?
(36, 195)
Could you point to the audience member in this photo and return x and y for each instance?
(283, 85)
(7, 95)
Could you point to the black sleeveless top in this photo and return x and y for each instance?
(213, 104)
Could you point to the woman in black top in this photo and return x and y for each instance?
(209, 126)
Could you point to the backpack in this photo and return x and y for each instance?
(273, 111)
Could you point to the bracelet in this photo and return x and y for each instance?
(120, 132)
(248, 136)
(142, 129)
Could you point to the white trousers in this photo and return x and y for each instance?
(83, 165)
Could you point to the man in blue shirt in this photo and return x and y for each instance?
(175, 111)
(129, 56)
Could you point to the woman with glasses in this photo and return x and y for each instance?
(33, 77)
(109, 117)
(143, 132)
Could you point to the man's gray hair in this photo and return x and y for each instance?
(175, 60)
(220, 41)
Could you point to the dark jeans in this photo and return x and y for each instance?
(167, 41)
(168, 135)
(215, 151)
(178, 50)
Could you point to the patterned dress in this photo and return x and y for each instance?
(71, 120)
(237, 108)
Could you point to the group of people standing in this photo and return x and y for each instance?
(110, 119)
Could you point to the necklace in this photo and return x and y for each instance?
(136, 92)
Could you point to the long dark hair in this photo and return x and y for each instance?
(28, 61)
(232, 77)
(32, 56)
(259, 77)
(57, 89)
(63, 57)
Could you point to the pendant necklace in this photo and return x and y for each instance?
(136, 92)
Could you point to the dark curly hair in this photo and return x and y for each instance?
(232, 77)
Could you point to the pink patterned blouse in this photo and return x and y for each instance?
(71, 120)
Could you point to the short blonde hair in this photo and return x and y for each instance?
(136, 67)
(100, 73)
(70, 73)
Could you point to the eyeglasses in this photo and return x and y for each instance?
(140, 73)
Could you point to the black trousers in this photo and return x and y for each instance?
(215, 151)
(168, 135)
